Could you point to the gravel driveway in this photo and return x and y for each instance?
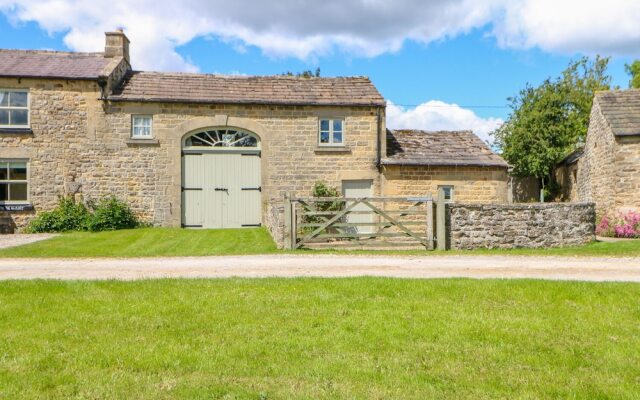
(18, 239)
(560, 268)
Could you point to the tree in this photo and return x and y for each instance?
(549, 121)
(305, 74)
(633, 70)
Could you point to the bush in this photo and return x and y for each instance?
(620, 224)
(111, 214)
(69, 215)
(320, 189)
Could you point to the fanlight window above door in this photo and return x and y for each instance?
(222, 138)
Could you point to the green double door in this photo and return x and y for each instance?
(221, 190)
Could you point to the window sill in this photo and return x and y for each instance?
(16, 207)
(16, 131)
(332, 149)
(147, 142)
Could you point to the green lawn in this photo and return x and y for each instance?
(186, 242)
(362, 338)
(149, 242)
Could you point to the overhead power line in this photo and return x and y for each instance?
(449, 105)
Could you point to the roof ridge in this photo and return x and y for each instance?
(241, 76)
(52, 52)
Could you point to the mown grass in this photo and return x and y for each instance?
(168, 242)
(149, 242)
(312, 338)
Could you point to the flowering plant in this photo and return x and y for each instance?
(620, 224)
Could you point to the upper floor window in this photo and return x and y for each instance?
(142, 126)
(448, 193)
(14, 108)
(331, 132)
(13, 181)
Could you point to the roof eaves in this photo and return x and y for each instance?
(246, 102)
(66, 78)
(426, 163)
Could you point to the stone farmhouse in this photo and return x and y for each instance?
(606, 170)
(211, 151)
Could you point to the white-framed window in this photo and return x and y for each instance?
(331, 132)
(14, 181)
(14, 108)
(142, 126)
(448, 193)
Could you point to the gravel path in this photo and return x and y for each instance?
(560, 268)
(18, 239)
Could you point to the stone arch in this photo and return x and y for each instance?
(189, 126)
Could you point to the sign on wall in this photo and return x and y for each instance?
(16, 207)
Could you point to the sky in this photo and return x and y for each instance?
(441, 64)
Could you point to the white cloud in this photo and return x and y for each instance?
(437, 115)
(309, 29)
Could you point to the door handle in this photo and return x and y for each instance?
(221, 189)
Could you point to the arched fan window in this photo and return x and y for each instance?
(222, 138)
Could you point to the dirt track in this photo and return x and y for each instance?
(561, 268)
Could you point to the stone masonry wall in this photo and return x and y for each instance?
(474, 226)
(627, 173)
(81, 145)
(596, 168)
(471, 184)
(62, 119)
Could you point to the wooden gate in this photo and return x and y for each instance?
(316, 222)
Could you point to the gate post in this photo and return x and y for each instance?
(441, 240)
(429, 204)
(288, 244)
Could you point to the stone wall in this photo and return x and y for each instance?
(471, 184)
(81, 145)
(627, 173)
(474, 226)
(596, 168)
(567, 177)
(62, 116)
(609, 171)
(525, 189)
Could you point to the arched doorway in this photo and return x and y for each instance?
(221, 185)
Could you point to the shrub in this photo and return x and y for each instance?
(620, 224)
(111, 214)
(69, 215)
(320, 189)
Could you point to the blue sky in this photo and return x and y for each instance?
(475, 64)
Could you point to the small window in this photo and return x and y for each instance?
(331, 132)
(448, 193)
(142, 127)
(13, 182)
(14, 108)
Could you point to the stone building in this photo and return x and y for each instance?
(420, 162)
(199, 150)
(607, 170)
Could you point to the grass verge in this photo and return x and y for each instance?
(313, 338)
(169, 242)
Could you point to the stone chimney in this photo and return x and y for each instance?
(117, 45)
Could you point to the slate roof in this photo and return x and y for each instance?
(51, 64)
(446, 148)
(573, 157)
(621, 109)
(285, 90)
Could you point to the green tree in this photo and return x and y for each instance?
(305, 74)
(633, 70)
(549, 121)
